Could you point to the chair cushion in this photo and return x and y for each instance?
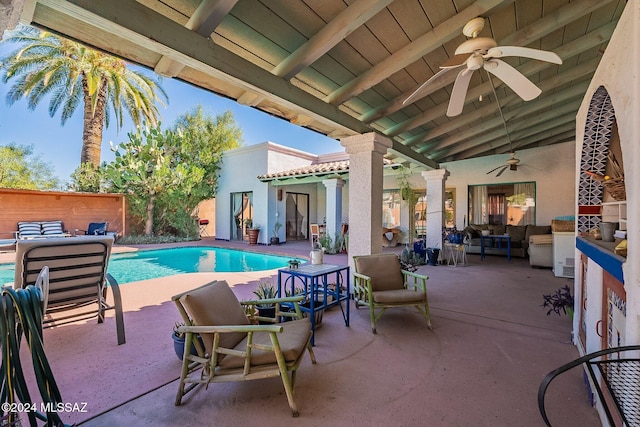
(29, 229)
(293, 341)
(533, 230)
(215, 304)
(541, 239)
(51, 227)
(97, 228)
(398, 296)
(383, 269)
(497, 229)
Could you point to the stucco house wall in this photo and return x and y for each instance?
(239, 172)
(552, 168)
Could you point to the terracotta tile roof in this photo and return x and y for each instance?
(316, 169)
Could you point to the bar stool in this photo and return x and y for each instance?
(202, 223)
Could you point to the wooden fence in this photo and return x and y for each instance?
(75, 210)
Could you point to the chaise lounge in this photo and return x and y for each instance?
(77, 278)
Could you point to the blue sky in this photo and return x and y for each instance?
(61, 145)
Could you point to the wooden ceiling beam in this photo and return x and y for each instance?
(484, 143)
(399, 60)
(514, 118)
(569, 50)
(412, 52)
(154, 32)
(330, 35)
(470, 118)
(206, 18)
(562, 133)
(594, 38)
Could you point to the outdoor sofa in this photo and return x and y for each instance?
(520, 236)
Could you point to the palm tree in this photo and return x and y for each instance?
(69, 73)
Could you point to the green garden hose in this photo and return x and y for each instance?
(21, 313)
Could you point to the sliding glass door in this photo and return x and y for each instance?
(297, 222)
(241, 214)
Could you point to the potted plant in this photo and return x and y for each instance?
(253, 230)
(561, 300)
(294, 264)
(275, 239)
(179, 339)
(266, 290)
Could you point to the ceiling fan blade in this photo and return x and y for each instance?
(495, 169)
(513, 78)
(433, 78)
(525, 52)
(459, 92)
(504, 168)
(456, 60)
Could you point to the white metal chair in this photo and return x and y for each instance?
(314, 234)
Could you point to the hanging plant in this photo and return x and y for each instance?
(407, 192)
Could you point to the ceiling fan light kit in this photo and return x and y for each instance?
(484, 52)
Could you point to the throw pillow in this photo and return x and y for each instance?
(499, 230)
(517, 232)
(29, 229)
(51, 227)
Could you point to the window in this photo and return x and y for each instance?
(503, 204)
(390, 208)
(450, 207)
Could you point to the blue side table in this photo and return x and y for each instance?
(319, 282)
(499, 238)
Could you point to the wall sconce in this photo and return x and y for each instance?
(279, 194)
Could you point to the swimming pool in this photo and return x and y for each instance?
(144, 265)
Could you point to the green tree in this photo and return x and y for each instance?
(142, 168)
(87, 178)
(205, 138)
(67, 74)
(167, 174)
(20, 168)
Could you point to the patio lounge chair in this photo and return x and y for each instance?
(95, 229)
(77, 278)
(236, 349)
(380, 283)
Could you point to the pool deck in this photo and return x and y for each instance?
(481, 365)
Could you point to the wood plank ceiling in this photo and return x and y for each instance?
(343, 67)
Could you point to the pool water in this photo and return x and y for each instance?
(144, 265)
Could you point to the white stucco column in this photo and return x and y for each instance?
(334, 206)
(365, 192)
(435, 206)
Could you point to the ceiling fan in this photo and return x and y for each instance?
(511, 164)
(484, 52)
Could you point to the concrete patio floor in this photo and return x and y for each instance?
(481, 365)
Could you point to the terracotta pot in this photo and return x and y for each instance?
(253, 235)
